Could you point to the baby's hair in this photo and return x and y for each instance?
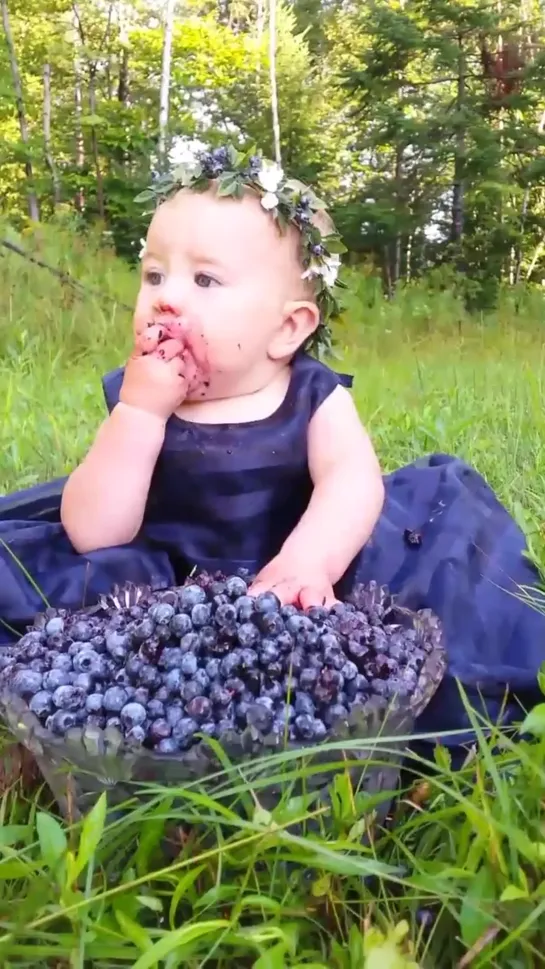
(288, 201)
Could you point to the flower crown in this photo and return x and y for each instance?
(287, 200)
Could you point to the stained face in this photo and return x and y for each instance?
(221, 273)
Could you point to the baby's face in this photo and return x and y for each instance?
(221, 268)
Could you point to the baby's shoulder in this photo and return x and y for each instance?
(313, 381)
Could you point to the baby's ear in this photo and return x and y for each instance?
(301, 318)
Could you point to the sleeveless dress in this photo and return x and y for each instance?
(227, 496)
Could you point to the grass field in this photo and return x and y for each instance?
(457, 876)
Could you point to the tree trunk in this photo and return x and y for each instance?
(396, 255)
(457, 227)
(524, 213)
(123, 81)
(94, 142)
(78, 102)
(47, 136)
(20, 105)
(272, 72)
(165, 85)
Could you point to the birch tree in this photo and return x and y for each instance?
(21, 114)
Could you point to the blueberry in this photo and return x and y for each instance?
(132, 715)
(248, 635)
(220, 696)
(93, 703)
(349, 671)
(68, 698)
(62, 662)
(288, 610)
(234, 685)
(27, 683)
(304, 726)
(248, 659)
(151, 650)
(60, 722)
(189, 664)
(308, 639)
(180, 624)
(173, 681)
(115, 699)
(308, 677)
(55, 678)
(174, 713)
(140, 695)
(122, 678)
(88, 661)
(149, 677)
(208, 638)
(55, 627)
(167, 746)
(159, 730)
(117, 644)
(356, 649)
(184, 731)
(199, 708)
(191, 595)
(190, 643)
(162, 694)
(203, 680)
(398, 687)
(225, 726)
(235, 587)
(84, 682)
(141, 631)
(241, 711)
(98, 643)
(298, 623)
(267, 602)
(156, 709)
(320, 730)
(213, 668)
(41, 704)
(285, 641)
(274, 671)
(260, 717)
(274, 691)
(225, 614)
(82, 631)
(113, 722)
(201, 614)
(317, 613)
(303, 704)
(285, 712)
(171, 657)
(244, 607)
(335, 658)
(136, 735)
(335, 712)
(161, 613)
(294, 662)
(270, 623)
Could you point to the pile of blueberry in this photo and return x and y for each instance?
(206, 658)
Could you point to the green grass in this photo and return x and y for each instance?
(456, 875)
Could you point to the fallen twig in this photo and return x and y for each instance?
(64, 276)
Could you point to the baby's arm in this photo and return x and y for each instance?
(345, 505)
(104, 499)
(348, 490)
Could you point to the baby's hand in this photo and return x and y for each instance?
(188, 337)
(158, 382)
(297, 583)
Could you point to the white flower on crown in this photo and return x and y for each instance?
(142, 248)
(328, 269)
(270, 177)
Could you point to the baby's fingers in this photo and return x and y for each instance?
(149, 339)
(169, 349)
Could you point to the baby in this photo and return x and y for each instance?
(226, 441)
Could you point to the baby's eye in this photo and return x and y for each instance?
(153, 277)
(204, 280)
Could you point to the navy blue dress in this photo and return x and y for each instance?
(227, 496)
